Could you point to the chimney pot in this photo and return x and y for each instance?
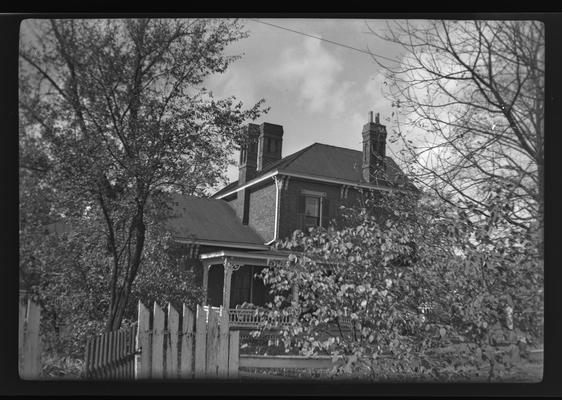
(377, 118)
(370, 116)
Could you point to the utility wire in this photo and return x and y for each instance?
(325, 40)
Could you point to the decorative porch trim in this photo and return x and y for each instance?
(241, 257)
(249, 246)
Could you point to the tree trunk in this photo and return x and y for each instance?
(118, 308)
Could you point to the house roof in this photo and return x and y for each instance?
(202, 220)
(205, 219)
(331, 162)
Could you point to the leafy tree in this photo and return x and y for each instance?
(468, 97)
(422, 280)
(120, 117)
(67, 275)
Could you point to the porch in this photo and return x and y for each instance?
(230, 283)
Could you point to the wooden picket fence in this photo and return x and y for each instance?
(111, 355)
(194, 345)
(197, 345)
(202, 346)
(29, 344)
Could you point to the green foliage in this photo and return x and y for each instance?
(424, 279)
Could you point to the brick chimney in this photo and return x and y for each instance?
(270, 143)
(374, 149)
(249, 154)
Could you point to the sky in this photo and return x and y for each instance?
(318, 91)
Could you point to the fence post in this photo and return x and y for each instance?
(158, 342)
(212, 344)
(31, 343)
(172, 348)
(143, 343)
(234, 354)
(186, 369)
(222, 361)
(200, 343)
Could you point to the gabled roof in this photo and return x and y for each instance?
(205, 219)
(330, 162)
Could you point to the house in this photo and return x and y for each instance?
(230, 235)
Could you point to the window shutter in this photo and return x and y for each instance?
(325, 207)
(300, 212)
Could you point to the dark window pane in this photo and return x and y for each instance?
(240, 286)
(312, 206)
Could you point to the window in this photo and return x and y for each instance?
(313, 210)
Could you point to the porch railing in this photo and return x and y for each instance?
(250, 318)
(246, 317)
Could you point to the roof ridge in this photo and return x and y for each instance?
(347, 148)
(338, 147)
(287, 159)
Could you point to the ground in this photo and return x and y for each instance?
(524, 371)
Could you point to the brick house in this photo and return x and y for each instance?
(229, 235)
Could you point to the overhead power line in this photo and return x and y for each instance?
(323, 39)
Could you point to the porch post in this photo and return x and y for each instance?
(206, 267)
(228, 269)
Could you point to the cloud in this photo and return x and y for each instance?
(313, 72)
(238, 82)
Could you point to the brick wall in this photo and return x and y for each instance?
(289, 201)
(262, 205)
(262, 211)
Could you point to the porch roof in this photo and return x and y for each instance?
(209, 222)
(262, 257)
